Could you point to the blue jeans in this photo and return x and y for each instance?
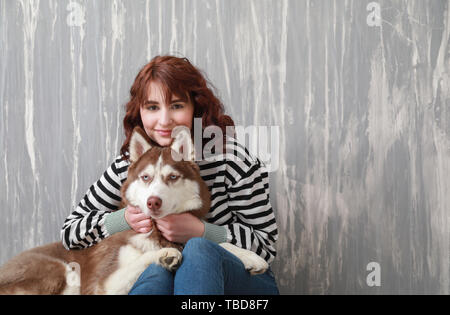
(207, 269)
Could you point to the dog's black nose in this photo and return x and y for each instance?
(154, 203)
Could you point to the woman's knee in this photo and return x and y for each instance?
(200, 251)
(199, 245)
(201, 269)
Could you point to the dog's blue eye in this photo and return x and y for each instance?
(145, 178)
(173, 177)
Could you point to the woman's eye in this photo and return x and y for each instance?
(152, 107)
(177, 106)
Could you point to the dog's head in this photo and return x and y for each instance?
(165, 180)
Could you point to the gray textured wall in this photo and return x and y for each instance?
(361, 97)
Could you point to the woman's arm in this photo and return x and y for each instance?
(91, 221)
(241, 212)
(254, 226)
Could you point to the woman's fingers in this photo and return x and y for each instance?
(138, 221)
(144, 223)
(133, 209)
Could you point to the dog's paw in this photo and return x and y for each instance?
(170, 258)
(253, 263)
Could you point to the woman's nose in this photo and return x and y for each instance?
(165, 118)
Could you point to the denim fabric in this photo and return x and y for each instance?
(206, 269)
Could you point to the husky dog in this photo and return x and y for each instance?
(161, 181)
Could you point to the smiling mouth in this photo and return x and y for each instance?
(164, 132)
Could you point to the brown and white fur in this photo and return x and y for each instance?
(161, 181)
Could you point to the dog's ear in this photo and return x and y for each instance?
(139, 144)
(182, 144)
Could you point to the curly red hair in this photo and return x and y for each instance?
(177, 77)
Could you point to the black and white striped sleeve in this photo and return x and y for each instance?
(254, 226)
(85, 226)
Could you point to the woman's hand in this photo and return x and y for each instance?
(138, 220)
(180, 228)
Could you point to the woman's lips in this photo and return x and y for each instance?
(164, 133)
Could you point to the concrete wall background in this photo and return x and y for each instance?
(362, 105)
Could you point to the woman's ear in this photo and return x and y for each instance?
(182, 144)
(139, 144)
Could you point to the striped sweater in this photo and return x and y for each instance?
(240, 205)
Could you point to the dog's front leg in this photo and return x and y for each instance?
(169, 258)
(131, 264)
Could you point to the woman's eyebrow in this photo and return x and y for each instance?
(175, 100)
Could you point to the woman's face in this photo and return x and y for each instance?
(159, 117)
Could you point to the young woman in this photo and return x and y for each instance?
(169, 92)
